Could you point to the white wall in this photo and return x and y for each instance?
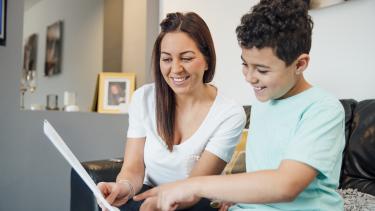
(343, 46)
(140, 31)
(343, 50)
(82, 48)
(134, 39)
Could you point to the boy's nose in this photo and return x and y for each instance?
(251, 78)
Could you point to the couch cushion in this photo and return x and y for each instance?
(237, 162)
(349, 106)
(247, 109)
(359, 159)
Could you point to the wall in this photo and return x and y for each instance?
(343, 46)
(342, 56)
(113, 29)
(140, 31)
(82, 52)
(99, 35)
(33, 175)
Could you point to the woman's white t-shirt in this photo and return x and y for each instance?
(219, 133)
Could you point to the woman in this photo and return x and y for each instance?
(180, 126)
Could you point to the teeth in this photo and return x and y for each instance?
(257, 88)
(179, 79)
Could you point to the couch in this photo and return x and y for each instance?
(357, 175)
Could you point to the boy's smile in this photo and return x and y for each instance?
(269, 75)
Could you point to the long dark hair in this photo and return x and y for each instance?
(195, 27)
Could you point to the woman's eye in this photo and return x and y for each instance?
(166, 59)
(187, 59)
(244, 64)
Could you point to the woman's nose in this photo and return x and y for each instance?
(177, 67)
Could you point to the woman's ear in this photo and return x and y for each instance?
(301, 63)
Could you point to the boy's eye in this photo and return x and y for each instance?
(262, 71)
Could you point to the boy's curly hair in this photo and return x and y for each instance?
(283, 25)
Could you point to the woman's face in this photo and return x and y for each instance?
(181, 63)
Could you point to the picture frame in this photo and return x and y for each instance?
(30, 53)
(3, 21)
(115, 91)
(54, 42)
(317, 4)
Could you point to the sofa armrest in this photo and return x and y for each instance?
(81, 198)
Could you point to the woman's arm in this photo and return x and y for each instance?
(133, 168)
(130, 179)
(208, 164)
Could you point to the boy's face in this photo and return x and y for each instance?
(268, 75)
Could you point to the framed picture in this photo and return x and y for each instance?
(30, 53)
(53, 49)
(3, 21)
(315, 4)
(115, 91)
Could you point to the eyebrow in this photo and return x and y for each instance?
(182, 53)
(258, 65)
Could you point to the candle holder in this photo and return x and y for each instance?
(52, 102)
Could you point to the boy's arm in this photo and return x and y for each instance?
(280, 185)
(267, 186)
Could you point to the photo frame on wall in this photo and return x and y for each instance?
(317, 4)
(29, 73)
(115, 91)
(30, 53)
(54, 41)
(3, 18)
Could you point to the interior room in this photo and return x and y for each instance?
(34, 176)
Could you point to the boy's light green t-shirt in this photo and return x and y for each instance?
(309, 128)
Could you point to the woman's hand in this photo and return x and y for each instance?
(169, 196)
(150, 204)
(116, 194)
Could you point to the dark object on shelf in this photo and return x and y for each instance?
(52, 102)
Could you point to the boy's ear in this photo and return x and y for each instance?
(302, 62)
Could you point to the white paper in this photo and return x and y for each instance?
(73, 161)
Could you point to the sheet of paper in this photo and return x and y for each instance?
(58, 142)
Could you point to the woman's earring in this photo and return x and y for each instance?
(298, 72)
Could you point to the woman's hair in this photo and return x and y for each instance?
(283, 25)
(195, 27)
